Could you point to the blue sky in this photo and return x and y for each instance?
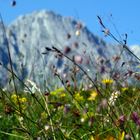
(124, 14)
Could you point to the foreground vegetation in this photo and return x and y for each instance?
(72, 114)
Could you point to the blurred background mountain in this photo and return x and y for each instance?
(28, 36)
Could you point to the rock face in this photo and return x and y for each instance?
(30, 34)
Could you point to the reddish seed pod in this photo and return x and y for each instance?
(68, 83)
(47, 93)
(67, 50)
(68, 36)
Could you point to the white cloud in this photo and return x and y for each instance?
(136, 49)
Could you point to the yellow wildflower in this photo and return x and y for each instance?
(14, 98)
(107, 81)
(121, 136)
(57, 91)
(92, 96)
(124, 89)
(78, 97)
(62, 95)
(92, 138)
(18, 100)
(22, 100)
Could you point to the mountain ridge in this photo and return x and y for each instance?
(28, 36)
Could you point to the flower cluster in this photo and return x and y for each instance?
(19, 100)
(113, 97)
(15, 98)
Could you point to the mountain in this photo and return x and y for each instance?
(28, 36)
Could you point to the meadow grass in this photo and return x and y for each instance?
(71, 114)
